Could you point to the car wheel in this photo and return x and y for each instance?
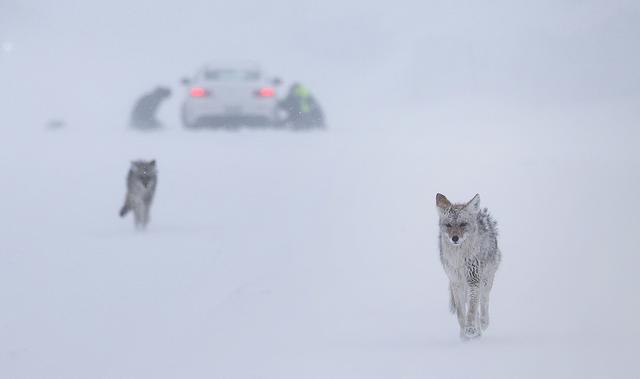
(185, 120)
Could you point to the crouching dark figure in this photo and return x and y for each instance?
(144, 112)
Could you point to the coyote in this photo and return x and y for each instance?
(141, 186)
(470, 256)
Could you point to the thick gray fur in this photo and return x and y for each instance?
(470, 256)
(141, 187)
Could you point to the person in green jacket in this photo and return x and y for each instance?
(303, 111)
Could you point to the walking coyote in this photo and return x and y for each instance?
(141, 186)
(470, 256)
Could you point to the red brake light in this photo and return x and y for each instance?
(199, 92)
(266, 92)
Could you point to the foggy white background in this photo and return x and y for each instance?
(314, 255)
(405, 52)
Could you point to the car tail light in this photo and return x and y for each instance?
(266, 92)
(199, 92)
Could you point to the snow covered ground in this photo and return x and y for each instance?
(313, 255)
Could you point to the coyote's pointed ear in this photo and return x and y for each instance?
(474, 204)
(442, 202)
(153, 163)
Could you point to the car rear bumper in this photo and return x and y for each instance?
(234, 121)
(200, 111)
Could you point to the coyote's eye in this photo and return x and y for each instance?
(463, 224)
(448, 225)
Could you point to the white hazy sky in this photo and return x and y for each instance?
(375, 52)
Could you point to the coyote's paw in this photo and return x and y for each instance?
(484, 323)
(470, 332)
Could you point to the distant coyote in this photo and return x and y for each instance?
(141, 186)
(470, 256)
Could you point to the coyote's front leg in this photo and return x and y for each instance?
(459, 302)
(471, 328)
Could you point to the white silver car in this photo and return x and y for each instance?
(230, 95)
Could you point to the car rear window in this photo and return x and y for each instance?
(232, 75)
